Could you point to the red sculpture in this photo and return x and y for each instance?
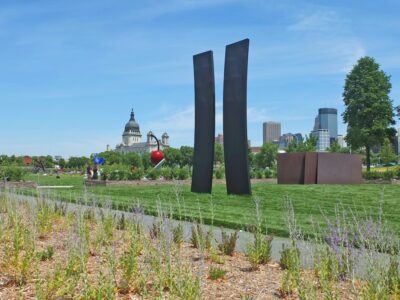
(156, 155)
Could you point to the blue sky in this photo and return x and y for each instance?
(70, 71)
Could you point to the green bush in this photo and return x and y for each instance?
(153, 174)
(12, 173)
(136, 174)
(183, 173)
(269, 173)
(121, 172)
(175, 173)
(259, 174)
(388, 174)
(166, 173)
(219, 173)
(371, 175)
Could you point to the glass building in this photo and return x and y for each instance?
(327, 119)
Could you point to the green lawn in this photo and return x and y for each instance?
(238, 211)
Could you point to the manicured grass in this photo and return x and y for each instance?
(309, 202)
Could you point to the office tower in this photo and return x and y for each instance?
(323, 139)
(327, 119)
(271, 132)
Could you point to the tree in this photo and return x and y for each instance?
(308, 145)
(334, 147)
(369, 110)
(172, 157)
(387, 153)
(267, 156)
(62, 163)
(133, 160)
(218, 153)
(186, 156)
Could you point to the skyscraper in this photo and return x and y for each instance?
(323, 141)
(271, 132)
(327, 119)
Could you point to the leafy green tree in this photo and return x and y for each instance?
(62, 163)
(75, 162)
(172, 157)
(309, 144)
(133, 160)
(186, 156)
(334, 147)
(387, 153)
(369, 110)
(267, 156)
(146, 160)
(218, 153)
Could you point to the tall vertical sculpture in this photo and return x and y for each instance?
(235, 118)
(204, 88)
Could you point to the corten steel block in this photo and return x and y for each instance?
(339, 168)
(235, 118)
(310, 167)
(204, 89)
(291, 168)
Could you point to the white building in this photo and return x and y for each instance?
(131, 139)
(341, 141)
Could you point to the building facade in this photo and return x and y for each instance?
(327, 118)
(323, 139)
(271, 132)
(132, 139)
(287, 138)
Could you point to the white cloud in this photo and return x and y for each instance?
(318, 20)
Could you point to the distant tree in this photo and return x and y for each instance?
(172, 157)
(309, 144)
(267, 156)
(75, 162)
(369, 110)
(186, 156)
(62, 163)
(251, 158)
(387, 153)
(334, 147)
(133, 160)
(218, 153)
(146, 160)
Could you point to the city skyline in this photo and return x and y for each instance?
(70, 72)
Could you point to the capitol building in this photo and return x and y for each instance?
(132, 139)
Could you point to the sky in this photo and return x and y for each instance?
(71, 71)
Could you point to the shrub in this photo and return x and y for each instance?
(177, 233)
(201, 238)
(228, 242)
(136, 174)
(219, 173)
(153, 174)
(268, 173)
(388, 175)
(371, 175)
(259, 174)
(290, 257)
(166, 173)
(216, 273)
(183, 173)
(12, 173)
(259, 252)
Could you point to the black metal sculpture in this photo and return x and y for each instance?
(235, 118)
(204, 88)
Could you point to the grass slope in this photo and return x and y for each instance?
(310, 202)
